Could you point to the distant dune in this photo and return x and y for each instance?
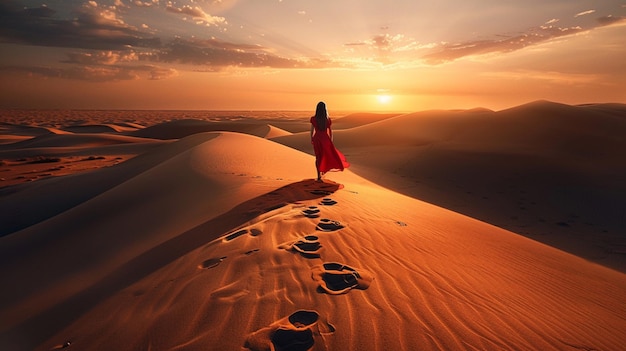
(275, 132)
(75, 140)
(102, 128)
(182, 128)
(358, 119)
(28, 130)
(178, 237)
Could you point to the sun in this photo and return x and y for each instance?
(384, 98)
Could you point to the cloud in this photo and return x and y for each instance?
(401, 50)
(156, 72)
(387, 43)
(91, 28)
(359, 43)
(109, 49)
(608, 20)
(382, 42)
(150, 3)
(588, 12)
(96, 27)
(94, 73)
(102, 57)
(386, 49)
(98, 66)
(42, 12)
(216, 53)
(219, 44)
(449, 52)
(198, 14)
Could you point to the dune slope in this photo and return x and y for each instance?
(226, 243)
(550, 171)
(182, 128)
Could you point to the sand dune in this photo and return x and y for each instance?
(275, 132)
(29, 158)
(550, 171)
(9, 139)
(75, 140)
(28, 130)
(359, 119)
(103, 128)
(539, 126)
(223, 241)
(182, 128)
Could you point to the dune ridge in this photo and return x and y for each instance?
(181, 128)
(358, 119)
(75, 140)
(28, 130)
(103, 128)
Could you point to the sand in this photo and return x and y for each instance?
(549, 171)
(222, 240)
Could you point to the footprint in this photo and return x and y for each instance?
(308, 247)
(320, 192)
(211, 263)
(328, 202)
(235, 235)
(296, 340)
(336, 278)
(311, 212)
(255, 232)
(327, 225)
(297, 332)
(250, 252)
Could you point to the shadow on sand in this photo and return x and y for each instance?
(41, 327)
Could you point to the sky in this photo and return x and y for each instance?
(356, 55)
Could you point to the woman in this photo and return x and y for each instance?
(327, 157)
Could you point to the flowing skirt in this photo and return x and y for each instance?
(327, 157)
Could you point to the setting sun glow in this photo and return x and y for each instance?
(384, 99)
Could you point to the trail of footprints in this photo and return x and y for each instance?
(296, 332)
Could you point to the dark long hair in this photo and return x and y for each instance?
(321, 115)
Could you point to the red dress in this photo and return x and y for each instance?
(327, 157)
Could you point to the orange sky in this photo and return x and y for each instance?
(289, 54)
